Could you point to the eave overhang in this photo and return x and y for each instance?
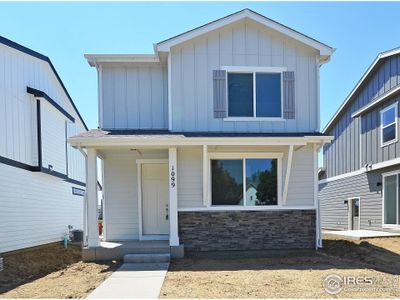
(181, 140)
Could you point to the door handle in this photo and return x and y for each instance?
(166, 212)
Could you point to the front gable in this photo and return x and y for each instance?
(247, 15)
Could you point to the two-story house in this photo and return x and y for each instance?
(184, 131)
(359, 186)
(42, 178)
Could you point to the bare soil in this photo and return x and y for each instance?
(290, 277)
(54, 272)
(51, 271)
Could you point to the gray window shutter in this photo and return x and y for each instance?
(289, 104)
(220, 101)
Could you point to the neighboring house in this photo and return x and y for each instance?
(184, 130)
(359, 181)
(251, 194)
(42, 178)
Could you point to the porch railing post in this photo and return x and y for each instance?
(91, 195)
(173, 198)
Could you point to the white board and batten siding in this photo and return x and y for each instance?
(120, 192)
(134, 96)
(301, 185)
(36, 208)
(244, 43)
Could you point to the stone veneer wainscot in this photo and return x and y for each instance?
(247, 230)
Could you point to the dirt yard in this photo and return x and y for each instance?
(290, 277)
(51, 272)
(54, 272)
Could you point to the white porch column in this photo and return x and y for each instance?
(173, 198)
(91, 196)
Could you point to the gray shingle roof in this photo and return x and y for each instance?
(148, 134)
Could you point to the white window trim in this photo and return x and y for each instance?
(243, 156)
(253, 70)
(394, 105)
(384, 175)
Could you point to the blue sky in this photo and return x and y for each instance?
(65, 31)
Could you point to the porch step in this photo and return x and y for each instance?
(147, 258)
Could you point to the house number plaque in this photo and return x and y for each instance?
(173, 177)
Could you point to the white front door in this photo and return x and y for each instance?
(155, 199)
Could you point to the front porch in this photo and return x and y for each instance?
(139, 203)
(175, 189)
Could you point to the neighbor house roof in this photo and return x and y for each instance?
(358, 86)
(164, 46)
(40, 56)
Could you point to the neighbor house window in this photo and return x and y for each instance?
(254, 94)
(244, 182)
(391, 207)
(389, 124)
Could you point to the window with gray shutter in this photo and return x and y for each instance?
(220, 102)
(289, 105)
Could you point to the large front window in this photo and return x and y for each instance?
(254, 94)
(244, 181)
(391, 207)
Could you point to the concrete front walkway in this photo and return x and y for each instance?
(133, 280)
(358, 234)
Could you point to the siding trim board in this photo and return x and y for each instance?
(39, 133)
(41, 94)
(377, 101)
(28, 51)
(39, 167)
(17, 164)
(375, 64)
(20, 165)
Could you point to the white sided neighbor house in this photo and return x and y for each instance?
(185, 131)
(42, 178)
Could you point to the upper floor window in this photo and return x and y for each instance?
(389, 125)
(255, 94)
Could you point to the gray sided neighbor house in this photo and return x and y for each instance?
(210, 143)
(359, 183)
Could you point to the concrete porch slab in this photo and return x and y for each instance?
(133, 281)
(358, 234)
(116, 250)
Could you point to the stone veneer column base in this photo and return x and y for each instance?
(247, 230)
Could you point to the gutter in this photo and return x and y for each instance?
(196, 141)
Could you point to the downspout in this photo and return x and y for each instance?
(85, 202)
(318, 241)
